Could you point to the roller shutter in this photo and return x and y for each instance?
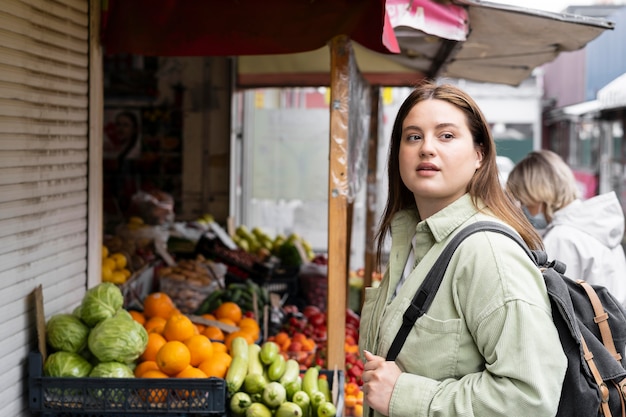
(44, 149)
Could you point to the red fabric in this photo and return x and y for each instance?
(241, 27)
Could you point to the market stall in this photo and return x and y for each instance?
(433, 38)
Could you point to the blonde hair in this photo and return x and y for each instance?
(543, 178)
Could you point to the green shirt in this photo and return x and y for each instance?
(487, 346)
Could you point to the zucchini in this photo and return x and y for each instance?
(277, 368)
(322, 385)
(236, 373)
(254, 363)
(269, 351)
(239, 348)
(309, 381)
(292, 372)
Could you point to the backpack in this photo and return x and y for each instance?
(591, 324)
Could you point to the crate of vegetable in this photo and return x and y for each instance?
(68, 396)
(84, 366)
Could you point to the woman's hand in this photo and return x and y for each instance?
(379, 378)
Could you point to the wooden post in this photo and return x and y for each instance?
(338, 202)
(370, 198)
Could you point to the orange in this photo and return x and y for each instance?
(249, 322)
(191, 372)
(158, 304)
(251, 326)
(213, 333)
(281, 337)
(155, 324)
(153, 395)
(179, 327)
(219, 347)
(200, 328)
(200, 348)
(209, 316)
(217, 366)
(145, 366)
(155, 342)
(227, 321)
(173, 357)
(229, 310)
(138, 316)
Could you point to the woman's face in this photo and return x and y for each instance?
(437, 155)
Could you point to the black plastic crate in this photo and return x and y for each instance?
(123, 397)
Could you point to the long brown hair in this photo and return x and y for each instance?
(484, 185)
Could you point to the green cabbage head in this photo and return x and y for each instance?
(66, 332)
(101, 302)
(66, 364)
(111, 370)
(118, 339)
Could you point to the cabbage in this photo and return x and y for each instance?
(66, 364)
(66, 332)
(111, 370)
(101, 302)
(118, 339)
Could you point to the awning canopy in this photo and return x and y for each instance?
(241, 27)
(506, 43)
(613, 95)
(283, 42)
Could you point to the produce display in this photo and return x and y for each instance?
(196, 327)
(114, 267)
(261, 382)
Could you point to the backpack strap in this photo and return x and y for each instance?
(604, 390)
(601, 319)
(428, 289)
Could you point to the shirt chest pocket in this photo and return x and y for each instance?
(432, 348)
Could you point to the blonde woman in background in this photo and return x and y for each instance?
(586, 235)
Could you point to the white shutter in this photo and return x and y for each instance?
(44, 149)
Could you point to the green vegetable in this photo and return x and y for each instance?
(289, 255)
(66, 364)
(309, 381)
(254, 383)
(239, 403)
(118, 339)
(236, 373)
(292, 387)
(317, 399)
(258, 410)
(111, 370)
(274, 395)
(101, 302)
(277, 368)
(269, 351)
(239, 348)
(292, 371)
(254, 363)
(66, 332)
(288, 409)
(302, 399)
(326, 409)
(322, 385)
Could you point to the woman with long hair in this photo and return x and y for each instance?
(487, 346)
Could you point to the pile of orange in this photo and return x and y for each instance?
(179, 348)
